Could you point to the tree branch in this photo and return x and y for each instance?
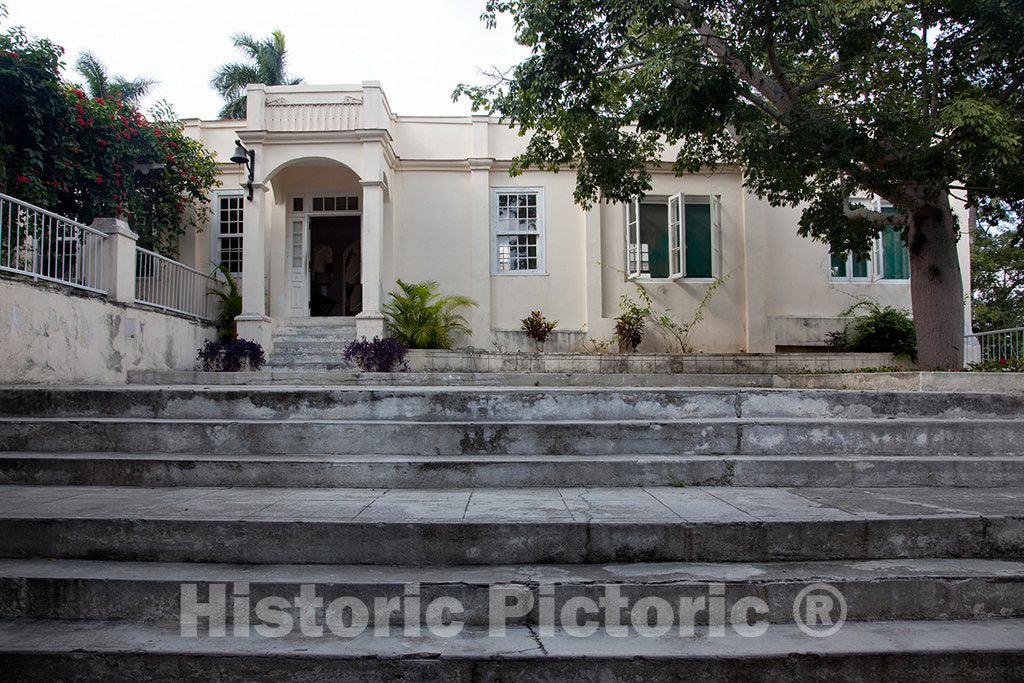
(780, 75)
(875, 217)
(1013, 87)
(822, 79)
(749, 73)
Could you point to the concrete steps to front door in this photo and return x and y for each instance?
(469, 471)
(508, 525)
(950, 652)
(302, 344)
(113, 500)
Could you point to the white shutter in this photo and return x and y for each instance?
(676, 236)
(716, 236)
(633, 256)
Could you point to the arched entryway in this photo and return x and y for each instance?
(322, 266)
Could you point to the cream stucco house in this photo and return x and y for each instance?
(348, 196)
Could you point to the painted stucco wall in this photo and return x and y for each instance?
(54, 335)
(439, 172)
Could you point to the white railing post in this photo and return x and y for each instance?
(120, 258)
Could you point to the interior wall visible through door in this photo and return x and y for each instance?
(335, 266)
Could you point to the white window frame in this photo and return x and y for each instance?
(541, 233)
(676, 229)
(216, 232)
(875, 256)
(307, 204)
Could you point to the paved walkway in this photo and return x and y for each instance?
(661, 504)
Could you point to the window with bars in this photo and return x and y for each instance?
(228, 243)
(889, 258)
(517, 228)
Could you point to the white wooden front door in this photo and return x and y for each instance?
(298, 266)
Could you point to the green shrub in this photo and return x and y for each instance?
(420, 318)
(882, 328)
(231, 305)
(629, 326)
(1010, 364)
(537, 327)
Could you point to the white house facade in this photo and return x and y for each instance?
(348, 197)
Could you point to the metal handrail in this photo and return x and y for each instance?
(172, 286)
(1000, 344)
(47, 246)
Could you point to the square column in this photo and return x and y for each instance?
(254, 323)
(120, 245)
(480, 249)
(370, 322)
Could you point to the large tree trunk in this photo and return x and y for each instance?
(936, 288)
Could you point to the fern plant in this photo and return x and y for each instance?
(421, 318)
(231, 305)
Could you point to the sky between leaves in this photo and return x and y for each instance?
(418, 49)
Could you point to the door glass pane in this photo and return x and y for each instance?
(698, 240)
(654, 239)
(297, 230)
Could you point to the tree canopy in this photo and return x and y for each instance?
(80, 156)
(915, 102)
(266, 63)
(997, 275)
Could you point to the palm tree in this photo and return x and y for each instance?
(266, 64)
(100, 84)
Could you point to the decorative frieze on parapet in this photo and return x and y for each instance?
(287, 116)
(310, 108)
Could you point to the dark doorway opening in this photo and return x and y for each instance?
(335, 266)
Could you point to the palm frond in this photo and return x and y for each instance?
(248, 45)
(95, 74)
(132, 90)
(266, 62)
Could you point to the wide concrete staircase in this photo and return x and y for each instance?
(311, 344)
(116, 502)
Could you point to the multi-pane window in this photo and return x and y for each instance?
(889, 258)
(228, 243)
(679, 237)
(336, 203)
(517, 227)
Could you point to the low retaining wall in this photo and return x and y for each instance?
(993, 382)
(643, 363)
(50, 334)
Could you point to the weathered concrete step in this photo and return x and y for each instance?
(496, 404)
(699, 436)
(151, 592)
(309, 346)
(338, 341)
(315, 331)
(336, 378)
(300, 365)
(507, 526)
(305, 357)
(291, 327)
(941, 652)
(406, 471)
